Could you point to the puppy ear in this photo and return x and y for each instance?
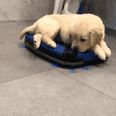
(95, 36)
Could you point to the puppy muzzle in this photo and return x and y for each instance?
(75, 49)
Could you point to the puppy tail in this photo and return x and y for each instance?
(28, 29)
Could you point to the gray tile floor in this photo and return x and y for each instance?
(31, 86)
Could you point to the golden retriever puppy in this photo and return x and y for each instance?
(84, 32)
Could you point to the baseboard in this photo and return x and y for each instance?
(110, 32)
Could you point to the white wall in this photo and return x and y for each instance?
(35, 9)
(23, 9)
(106, 9)
(110, 14)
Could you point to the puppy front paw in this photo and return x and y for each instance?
(99, 52)
(108, 52)
(105, 48)
(102, 56)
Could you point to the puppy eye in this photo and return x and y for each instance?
(83, 40)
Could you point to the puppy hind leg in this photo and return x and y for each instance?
(49, 32)
(37, 40)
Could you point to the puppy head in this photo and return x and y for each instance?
(81, 41)
(86, 39)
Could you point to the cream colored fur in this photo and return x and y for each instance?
(85, 32)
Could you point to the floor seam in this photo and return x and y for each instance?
(113, 59)
(25, 77)
(88, 86)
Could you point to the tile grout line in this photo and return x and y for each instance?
(25, 77)
(88, 86)
(113, 59)
(63, 74)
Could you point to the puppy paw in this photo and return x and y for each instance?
(102, 56)
(105, 48)
(52, 44)
(36, 45)
(108, 52)
(100, 52)
(37, 40)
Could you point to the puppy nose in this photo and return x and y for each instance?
(75, 49)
